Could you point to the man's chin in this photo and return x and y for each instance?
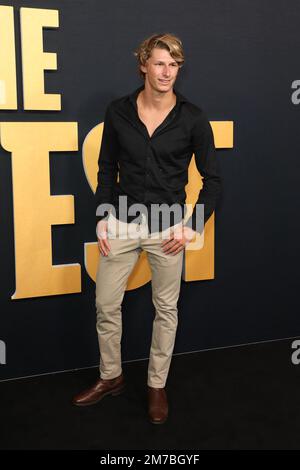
(164, 88)
(165, 85)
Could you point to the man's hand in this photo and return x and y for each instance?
(178, 239)
(103, 243)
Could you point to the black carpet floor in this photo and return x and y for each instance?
(245, 397)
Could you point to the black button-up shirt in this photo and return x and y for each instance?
(154, 170)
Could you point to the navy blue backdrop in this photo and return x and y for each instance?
(240, 65)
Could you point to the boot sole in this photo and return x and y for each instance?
(114, 393)
(158, 422)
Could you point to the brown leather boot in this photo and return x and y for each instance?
(157, 405)
(102, 387)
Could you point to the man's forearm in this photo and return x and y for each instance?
(107, 168)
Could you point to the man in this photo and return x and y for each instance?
(148, 140)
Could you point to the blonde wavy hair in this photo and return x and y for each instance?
(167, 41)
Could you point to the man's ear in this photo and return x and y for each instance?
(143, 69)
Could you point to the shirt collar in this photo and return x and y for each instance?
(133, 96)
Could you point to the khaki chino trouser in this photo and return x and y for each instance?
(111, 281)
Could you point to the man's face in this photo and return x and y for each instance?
(161, 70)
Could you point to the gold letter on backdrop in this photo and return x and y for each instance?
(8, 87)
(35, 210)
(198, 263)
(35, 61)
